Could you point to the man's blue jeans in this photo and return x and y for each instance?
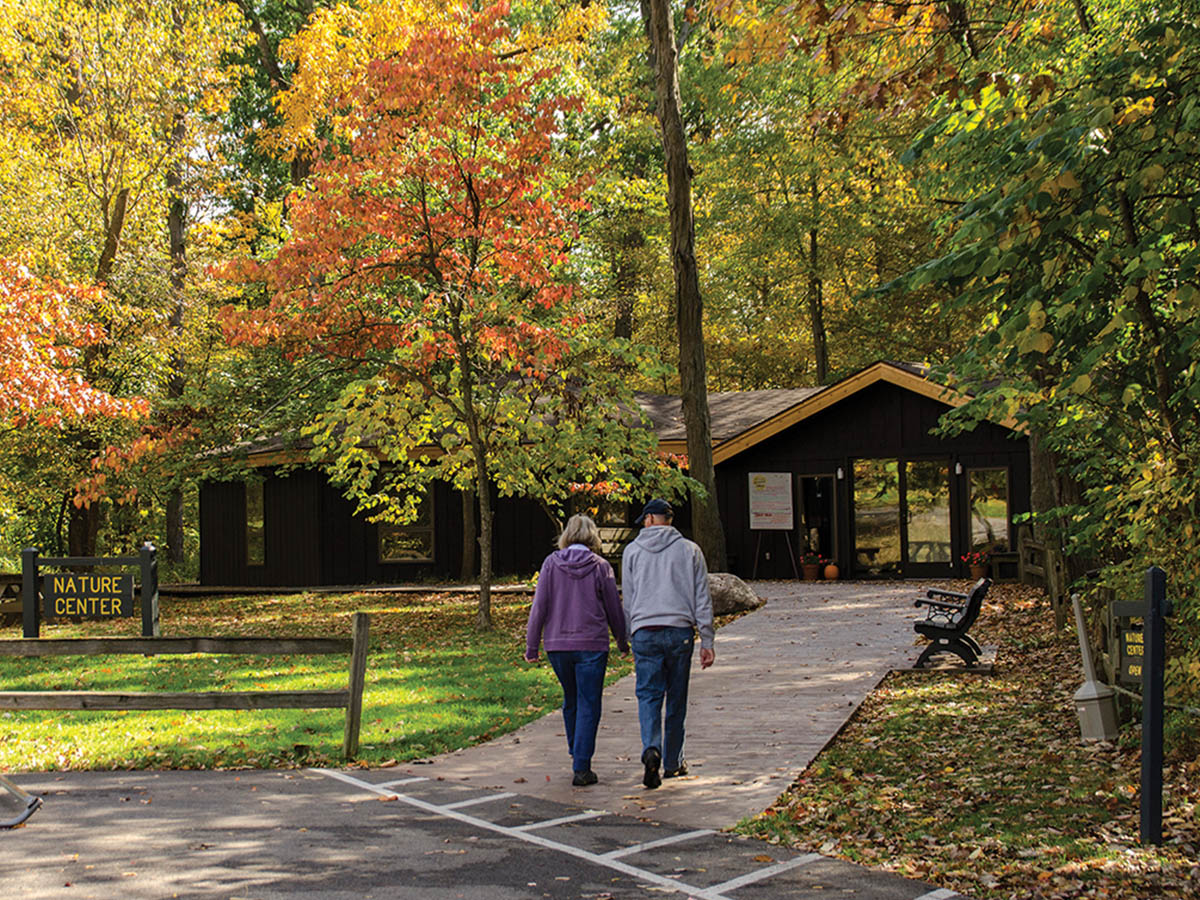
(581, 674)
(663, 663)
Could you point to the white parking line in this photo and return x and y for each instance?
(397, 783)
(742, 880)
(486, 798)
(939, 894)
(548, 823)
(661, 842)
(697, 893)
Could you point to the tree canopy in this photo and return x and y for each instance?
(446, 250)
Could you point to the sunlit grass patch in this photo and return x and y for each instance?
(433, 684)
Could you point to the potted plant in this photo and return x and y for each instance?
(810, 565)
(977, 562)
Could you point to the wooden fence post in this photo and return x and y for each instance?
(30, 614)
(148, 559)
(360, 629)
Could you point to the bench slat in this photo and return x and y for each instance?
(108, 700)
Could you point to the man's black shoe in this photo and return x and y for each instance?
(583, 779)
(651, 759)
(681, 769)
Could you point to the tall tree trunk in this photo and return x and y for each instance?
(469, 536)
(483, 618)
(816, 301)
(689, 309)
(176, 213)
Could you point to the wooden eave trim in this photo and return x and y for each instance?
(835, 394)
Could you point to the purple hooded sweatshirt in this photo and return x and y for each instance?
(575, 604)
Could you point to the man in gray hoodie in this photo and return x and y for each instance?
(664, 583)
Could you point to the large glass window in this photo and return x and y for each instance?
(256, 544)
(412, 542)
(927, 494)
(988, 499)
(877, 515)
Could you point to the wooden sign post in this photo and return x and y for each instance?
(90, 595)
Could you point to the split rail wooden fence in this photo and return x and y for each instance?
(349, 699)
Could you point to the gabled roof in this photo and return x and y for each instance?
(742, 419)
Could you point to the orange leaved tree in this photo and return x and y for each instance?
(41, 353)
(428, 255)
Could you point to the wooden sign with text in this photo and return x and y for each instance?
(91, 596)
(1133, 651)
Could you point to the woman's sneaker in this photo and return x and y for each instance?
(651, 759)
(676, 772)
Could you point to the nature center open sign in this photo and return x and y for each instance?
(93, 596)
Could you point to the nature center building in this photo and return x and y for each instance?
(851, 472)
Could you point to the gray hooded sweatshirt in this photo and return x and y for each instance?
(664, 581)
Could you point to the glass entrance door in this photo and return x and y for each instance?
(902, 517)
(927, 518)
(877, 517)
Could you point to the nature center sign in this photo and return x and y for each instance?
(93, 596)
(771, 501)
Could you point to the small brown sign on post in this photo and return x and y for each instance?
(91, 596)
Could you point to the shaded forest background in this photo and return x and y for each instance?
(1004, 190)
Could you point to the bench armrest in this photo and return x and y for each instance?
(937, 604)
(937, 592)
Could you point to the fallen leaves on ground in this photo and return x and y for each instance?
(981, 784)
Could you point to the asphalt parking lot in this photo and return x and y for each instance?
(334, 834)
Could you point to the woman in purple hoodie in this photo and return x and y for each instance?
(574, 608)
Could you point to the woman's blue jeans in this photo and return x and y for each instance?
(581, 674)
(663, 661)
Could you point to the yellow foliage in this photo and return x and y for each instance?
(331, 53)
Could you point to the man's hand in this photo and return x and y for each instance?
(529, 658)
(707, 656)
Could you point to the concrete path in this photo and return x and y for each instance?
(786, 678)
(502, 820)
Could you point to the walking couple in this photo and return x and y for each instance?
(666, 601)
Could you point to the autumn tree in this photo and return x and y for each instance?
(43, 342)
(102, 152)
(428, 259)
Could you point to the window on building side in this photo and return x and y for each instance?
(989, 508)
(256, 544)
(412, 542)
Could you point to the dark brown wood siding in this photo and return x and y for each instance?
(880, 421)
(313, 536)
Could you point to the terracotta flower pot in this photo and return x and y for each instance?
(811, 571)
(831, 572)
(977, 572)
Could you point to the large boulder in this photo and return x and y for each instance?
(731, 595)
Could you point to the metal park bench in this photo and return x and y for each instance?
(947, 621)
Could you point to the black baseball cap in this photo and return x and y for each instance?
(655, 507)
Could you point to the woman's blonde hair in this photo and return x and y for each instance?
(580, 530)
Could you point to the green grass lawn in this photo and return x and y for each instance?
(433, 684)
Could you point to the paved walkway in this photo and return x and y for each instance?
(502, 820)
(787, 677)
